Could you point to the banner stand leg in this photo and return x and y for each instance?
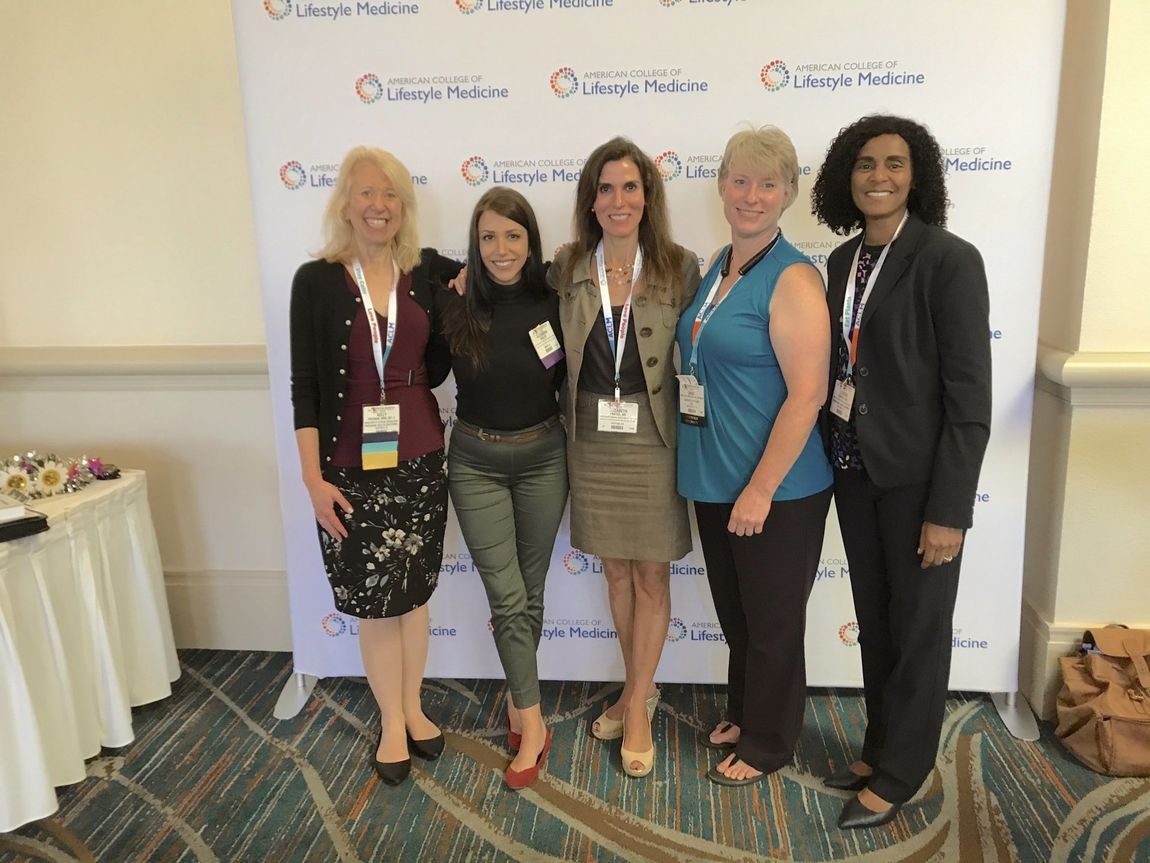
(295, 694)
(1016, 715)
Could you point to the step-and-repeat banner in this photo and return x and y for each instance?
(472, 93)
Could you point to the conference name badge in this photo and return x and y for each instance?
(622, 417)
(380, 436)
(546, 344)
(692, 406)
(842, 398)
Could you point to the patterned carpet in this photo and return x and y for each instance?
(213, 776)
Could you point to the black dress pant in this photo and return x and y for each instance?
(760, 585)
(905, 616)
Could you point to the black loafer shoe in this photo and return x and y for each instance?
(846, 780)
(855, 816)
(429, 749)
(392, 772)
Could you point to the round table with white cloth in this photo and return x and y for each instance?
(85, 635)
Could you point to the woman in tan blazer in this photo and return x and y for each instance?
(622, 284)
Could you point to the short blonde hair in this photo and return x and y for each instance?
(339, 246)
(768, 149)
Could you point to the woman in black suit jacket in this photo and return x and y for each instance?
(907, 422)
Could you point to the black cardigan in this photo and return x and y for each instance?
(322, 309)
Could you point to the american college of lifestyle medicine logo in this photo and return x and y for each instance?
(838, 75)
(849, 633)
(624, 83)
(677, 630)
(368, 88)
(576, 562)
(775, 75)
(526, 7)
(528, 172)
(564, 83)
(277, 9)
(474, 170)
(335, 625)
(292, 175)
(669, 165)
(425, 89)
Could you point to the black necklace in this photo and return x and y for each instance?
(749, 265)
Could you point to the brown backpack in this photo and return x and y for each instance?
(1104, 705)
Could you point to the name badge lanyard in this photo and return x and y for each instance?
(852, 324)
(380, 346)
(709, 305)
(617, 348)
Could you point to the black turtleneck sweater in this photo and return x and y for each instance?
(511, 390)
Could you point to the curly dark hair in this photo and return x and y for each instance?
(831, 200)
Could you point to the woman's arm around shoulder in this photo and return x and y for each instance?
(439, 271)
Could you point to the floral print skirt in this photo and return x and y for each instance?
(389, 563)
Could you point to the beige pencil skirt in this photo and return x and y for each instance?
(624, 502)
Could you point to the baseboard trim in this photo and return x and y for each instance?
(230, 610)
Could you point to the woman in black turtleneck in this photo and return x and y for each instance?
(507, 464)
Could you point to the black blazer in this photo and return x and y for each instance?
(922, 376)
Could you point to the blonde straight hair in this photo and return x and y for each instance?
(339, 246)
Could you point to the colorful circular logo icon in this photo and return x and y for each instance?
(334, 624)
(292, 175)
(668, 2)
(849, 633)
(677, 631)
(467, 7)
(277, 9)
(669, 164)
(474, 170)
(576, 562)
(775, 75)
(368, 88)
(564, 83)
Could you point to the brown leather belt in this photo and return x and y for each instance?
(506, 437)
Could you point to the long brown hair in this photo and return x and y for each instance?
(662, 259)
(468, 322)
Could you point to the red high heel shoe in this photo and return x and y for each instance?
(517, 779)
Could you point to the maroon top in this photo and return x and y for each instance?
(420, 429)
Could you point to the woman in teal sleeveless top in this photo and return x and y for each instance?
(754, 346)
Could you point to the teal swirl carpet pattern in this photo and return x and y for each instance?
(212, 776)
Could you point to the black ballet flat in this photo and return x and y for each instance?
(429, 749)
(855, 816)
(846, 780)
(392, 772)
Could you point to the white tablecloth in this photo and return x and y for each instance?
(84, 636)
